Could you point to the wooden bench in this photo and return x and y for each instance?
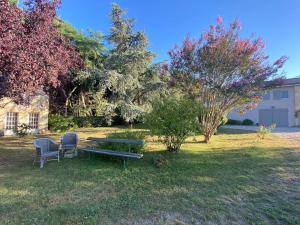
(123, 155)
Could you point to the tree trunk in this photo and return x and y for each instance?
(66, 106)
(68, 99)
(207, 137)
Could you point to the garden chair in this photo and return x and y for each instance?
(69, 142)
(45, 148)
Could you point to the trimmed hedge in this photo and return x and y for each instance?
(234, 122)
(248, 122)
(61, 123)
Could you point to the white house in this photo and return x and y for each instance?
(280, 106)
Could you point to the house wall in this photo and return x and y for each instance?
(288, 103)
(40, 104)
(297, 103)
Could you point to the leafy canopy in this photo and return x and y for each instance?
(173, 120)
(223, 71)
(33, 54)
(129, 78)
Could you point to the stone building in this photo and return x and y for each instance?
(35, 115)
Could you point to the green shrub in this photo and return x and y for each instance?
(128, 135)
(262, 131)
(234, 122)
(89, 121)
(248, 122)
(61, 123)
(22, 130)
(173, 120)
(224, 121)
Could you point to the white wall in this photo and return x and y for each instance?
(288, 103)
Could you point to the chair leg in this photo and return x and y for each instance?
(34, 161)
(42, 163)
(58, 157)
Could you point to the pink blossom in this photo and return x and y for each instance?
(165, 67)
(258, 44)
(188, 45)
(213, 28)
(219, 20)
(238, 24)
(279, 62)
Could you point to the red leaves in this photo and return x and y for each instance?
(33, 54)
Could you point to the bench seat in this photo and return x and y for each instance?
(113, 153)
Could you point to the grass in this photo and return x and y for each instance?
(233, 180)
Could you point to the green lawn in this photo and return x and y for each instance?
(233, 180)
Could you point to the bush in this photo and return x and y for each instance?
(89, 121)
(262, 131)
(22, 130)
(234, 122)
(61, 123)
(129, 135)
(224, 121)
(248, 122)
(173, 120)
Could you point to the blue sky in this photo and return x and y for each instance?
(167, 22)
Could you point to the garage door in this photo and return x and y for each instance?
(277, 116)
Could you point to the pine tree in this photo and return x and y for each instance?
(129, 78)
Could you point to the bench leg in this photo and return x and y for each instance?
(124, 163)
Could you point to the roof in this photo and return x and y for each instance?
(291, 81)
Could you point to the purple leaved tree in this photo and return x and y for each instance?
(33, 54)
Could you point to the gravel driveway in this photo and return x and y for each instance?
(291, 133)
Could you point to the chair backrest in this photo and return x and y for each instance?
(42, 145)
(70, 138)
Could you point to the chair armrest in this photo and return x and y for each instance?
(53, 146)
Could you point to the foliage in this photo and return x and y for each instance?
(129, 79)
(83, 96)
(61, 123)
(89, 121)
(173, 120)
(224, 120)
(30, 47)
(13, 2)
(234, 122)
(128, 135)
(22, 130)
(222, 70)
(89, 44)
(248, 122)
(262, 131)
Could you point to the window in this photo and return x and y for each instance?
(267, 96)
(33, 120)
(11, 121)
(280, 94)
